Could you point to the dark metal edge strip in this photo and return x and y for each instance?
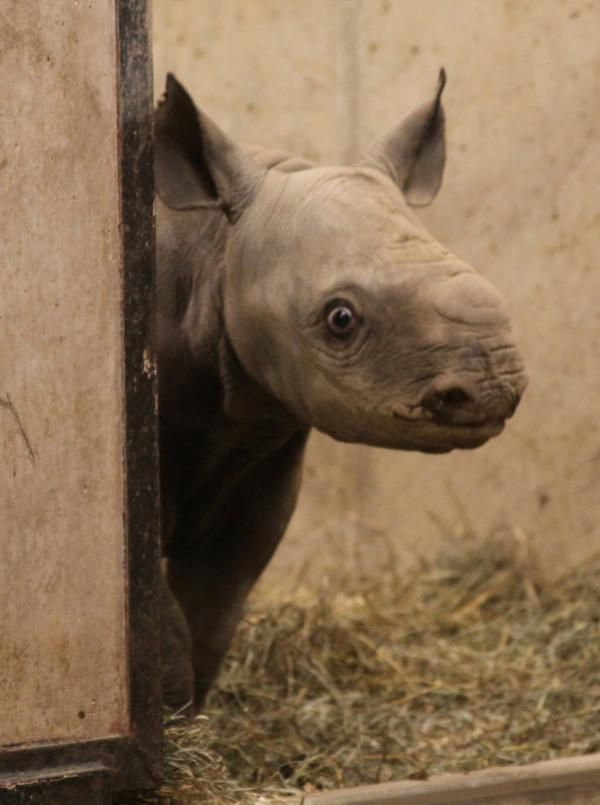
(134, 92)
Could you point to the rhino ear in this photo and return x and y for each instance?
(195, 164)
(414, 152)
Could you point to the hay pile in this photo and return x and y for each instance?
(453, 669)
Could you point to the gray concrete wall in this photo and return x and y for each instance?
(521, 201)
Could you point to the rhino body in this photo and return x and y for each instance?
(293, 296)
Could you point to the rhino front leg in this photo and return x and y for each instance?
(212, 601)
(211, 588)
(176, 655)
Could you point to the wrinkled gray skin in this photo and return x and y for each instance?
(257, 255)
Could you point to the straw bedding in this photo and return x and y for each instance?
(464, 665)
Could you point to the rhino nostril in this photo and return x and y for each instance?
(447, 401)
(455, 397)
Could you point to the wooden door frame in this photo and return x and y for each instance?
(564, 780)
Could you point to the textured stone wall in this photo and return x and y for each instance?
(521, 201)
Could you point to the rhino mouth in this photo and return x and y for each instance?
(445, 438)
(485, 429)
(420, 434)
(442, 436)
(457, 413)
(481, 423)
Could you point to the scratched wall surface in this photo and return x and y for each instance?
(521, 201)
(62, 630)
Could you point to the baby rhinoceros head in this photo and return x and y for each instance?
(337, 301)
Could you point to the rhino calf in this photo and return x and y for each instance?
(292, 296)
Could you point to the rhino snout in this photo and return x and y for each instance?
(460, 403)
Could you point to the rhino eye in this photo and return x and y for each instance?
(342, 320)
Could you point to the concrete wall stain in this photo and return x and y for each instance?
(7, 404)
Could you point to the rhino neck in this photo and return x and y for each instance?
(246, 403)
(203, 386)
(239, 428)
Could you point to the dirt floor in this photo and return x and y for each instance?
(471, 662)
